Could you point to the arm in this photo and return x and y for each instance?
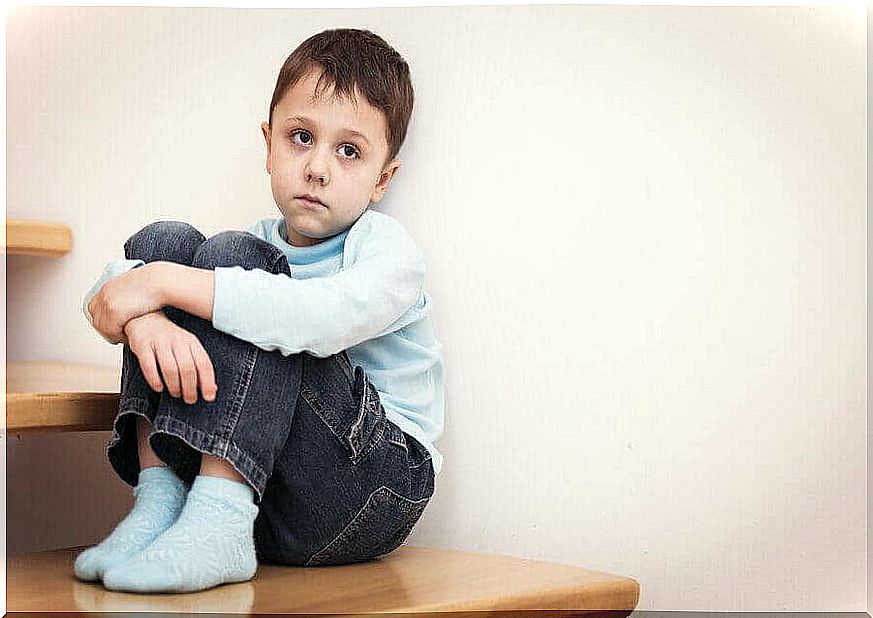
(192, 289)
(167, 352)
(110, 271)
(185, 287)
(145, 290)
(322, 315)
(161, 285)
(372, 296)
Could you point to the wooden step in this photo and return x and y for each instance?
(58, 396)
(37, 238)
(412, 580)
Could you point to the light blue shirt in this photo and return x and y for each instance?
(361, 291)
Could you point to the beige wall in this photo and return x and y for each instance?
(869, 426)
(646, 237)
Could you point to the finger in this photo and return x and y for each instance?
(169, 369)
(187, 371)
(117, 335)
(149, 367)
(205, 371)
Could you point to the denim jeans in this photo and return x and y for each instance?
(336, 482)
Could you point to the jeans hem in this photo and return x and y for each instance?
(129, 407)
(217, 446)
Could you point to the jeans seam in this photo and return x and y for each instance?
(316, 406)
(131, 405)
(354, 518)
(223, 447)
(365, 400)
(400, 444)
(419, 464)
(346, 364)
(375, 441)
(247, 370)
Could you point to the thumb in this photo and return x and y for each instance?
(122, 337)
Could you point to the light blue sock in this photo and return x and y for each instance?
(211, 543)
(160, 496)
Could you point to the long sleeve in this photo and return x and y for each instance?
(116, 268)
(110, 271)
(323, 315)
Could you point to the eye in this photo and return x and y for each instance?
(349, 151)
(353, 149)
(299, 132)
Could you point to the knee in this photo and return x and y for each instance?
(171, 241)
(236, 248)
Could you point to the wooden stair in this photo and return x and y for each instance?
(410, 580)
(57, 396)
(47, 395)
(37, 238)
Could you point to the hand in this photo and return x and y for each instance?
(135, 293)
(155, 339)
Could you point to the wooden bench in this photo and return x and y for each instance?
(55, 396)
(410, 580)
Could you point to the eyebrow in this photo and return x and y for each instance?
(304, 119)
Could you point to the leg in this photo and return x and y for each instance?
(213, 466)
(167, 241)
(349, 485)
(159, 494)
(247, 423)
(235, 437)
(147, 457)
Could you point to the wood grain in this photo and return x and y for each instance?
(37, 238)
(58, 396)
(412, 580)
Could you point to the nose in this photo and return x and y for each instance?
(316, 168)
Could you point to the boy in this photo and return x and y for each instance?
(309, 338)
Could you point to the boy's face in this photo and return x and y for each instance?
(312, 149)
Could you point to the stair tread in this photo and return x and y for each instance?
(410, 579)
(37, 238)
(60, 396)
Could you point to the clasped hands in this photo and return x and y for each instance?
(127, 310)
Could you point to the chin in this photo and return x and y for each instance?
(316, 236)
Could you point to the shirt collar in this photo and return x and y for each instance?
(307, 255)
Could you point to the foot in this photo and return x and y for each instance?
(211, 543)
(160, 496)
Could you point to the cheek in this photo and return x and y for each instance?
(363, 180)
(283, 159)
(280, 186)
(281, 176)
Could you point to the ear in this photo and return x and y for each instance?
(385, 179)
(265, 129)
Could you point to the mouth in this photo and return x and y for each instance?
(310, 201)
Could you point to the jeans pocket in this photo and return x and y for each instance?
(380, 527)
(396, 436)
(369, 427)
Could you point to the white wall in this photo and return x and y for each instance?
(869, 426)
(646, 238)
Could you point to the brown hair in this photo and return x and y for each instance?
(350, 58)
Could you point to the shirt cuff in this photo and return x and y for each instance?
(110, 271)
